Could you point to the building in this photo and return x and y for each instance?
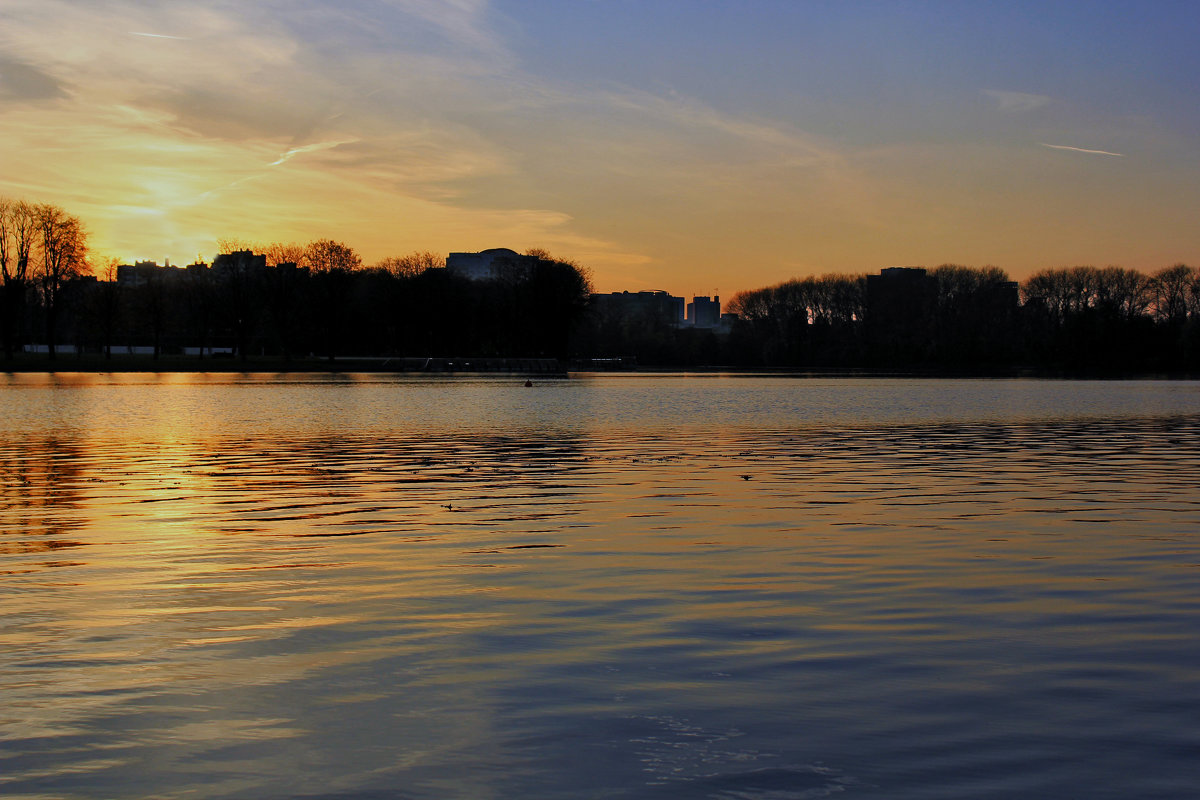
(900, 313)
(142, 273)
(704, 312)
(238, 263)
(900, 296)
(656, 305)
(488, 265)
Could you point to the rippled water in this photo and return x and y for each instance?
(228, 586)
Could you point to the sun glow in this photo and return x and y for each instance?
(445, 128)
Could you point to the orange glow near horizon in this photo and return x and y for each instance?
(452, 129)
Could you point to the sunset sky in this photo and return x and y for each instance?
(691, 146)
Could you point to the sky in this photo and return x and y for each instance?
(694, 146)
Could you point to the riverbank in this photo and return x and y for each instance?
(89, 362)
(94, 363)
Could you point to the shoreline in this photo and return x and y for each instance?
(533, 367)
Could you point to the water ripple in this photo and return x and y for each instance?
(989, 606)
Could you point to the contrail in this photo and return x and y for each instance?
(295, 151)
(157, 35)
(1082, 150)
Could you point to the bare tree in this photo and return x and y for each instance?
(332, 264)
(62, 255)
(283, 253)
(1124, 293)
(232, 244)
(411, 265)
(326, 255)
(18, 232)
(1171, 287)
(108, 304)
(1194, 297)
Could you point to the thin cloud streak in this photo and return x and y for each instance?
(1082, 150)
(1017, 102)
(310, 148)
(159, 36)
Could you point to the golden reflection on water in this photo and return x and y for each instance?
(247, 601)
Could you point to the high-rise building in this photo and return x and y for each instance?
(704, 312)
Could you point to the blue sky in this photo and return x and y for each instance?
(690, 146)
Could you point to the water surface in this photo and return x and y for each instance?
(362, 586)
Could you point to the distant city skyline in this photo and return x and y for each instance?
(700, 148)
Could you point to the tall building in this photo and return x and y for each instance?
(704, 312)
(900, 296)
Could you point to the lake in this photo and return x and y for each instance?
(605, 586)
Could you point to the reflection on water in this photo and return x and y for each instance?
(650, 587)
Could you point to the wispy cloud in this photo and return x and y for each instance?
(309, 148)
(26, 82)
(1082, 150)
(462, 21)
(1017, 102)
(689, 113)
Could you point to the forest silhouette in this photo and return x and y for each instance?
(296, 304)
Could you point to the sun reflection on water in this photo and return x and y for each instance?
(440, 611)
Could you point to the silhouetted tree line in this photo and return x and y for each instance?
(286, 300)
(294, 300)
(42, 250)
(955, 317)
(326, 303)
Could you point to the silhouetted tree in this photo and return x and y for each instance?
(332, 264)
(105, 305)
(976, 315)
(285, 285)
(199, 307)
(62, 255)
(411, 265)
(283, 253)
(557, 293)
(812, 321)
(326, 255)
(18, 234)
(1085, 316)
(238, 279)
(1172, 287)
(440, 319)
(153, 306)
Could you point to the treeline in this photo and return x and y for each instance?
(292, 301)
(286, 300)
(330, 307)
(42, 249)
(959, 318)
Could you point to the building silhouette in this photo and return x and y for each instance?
(239, 263)
(657, 306)
(490, 264)
(704, 312)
